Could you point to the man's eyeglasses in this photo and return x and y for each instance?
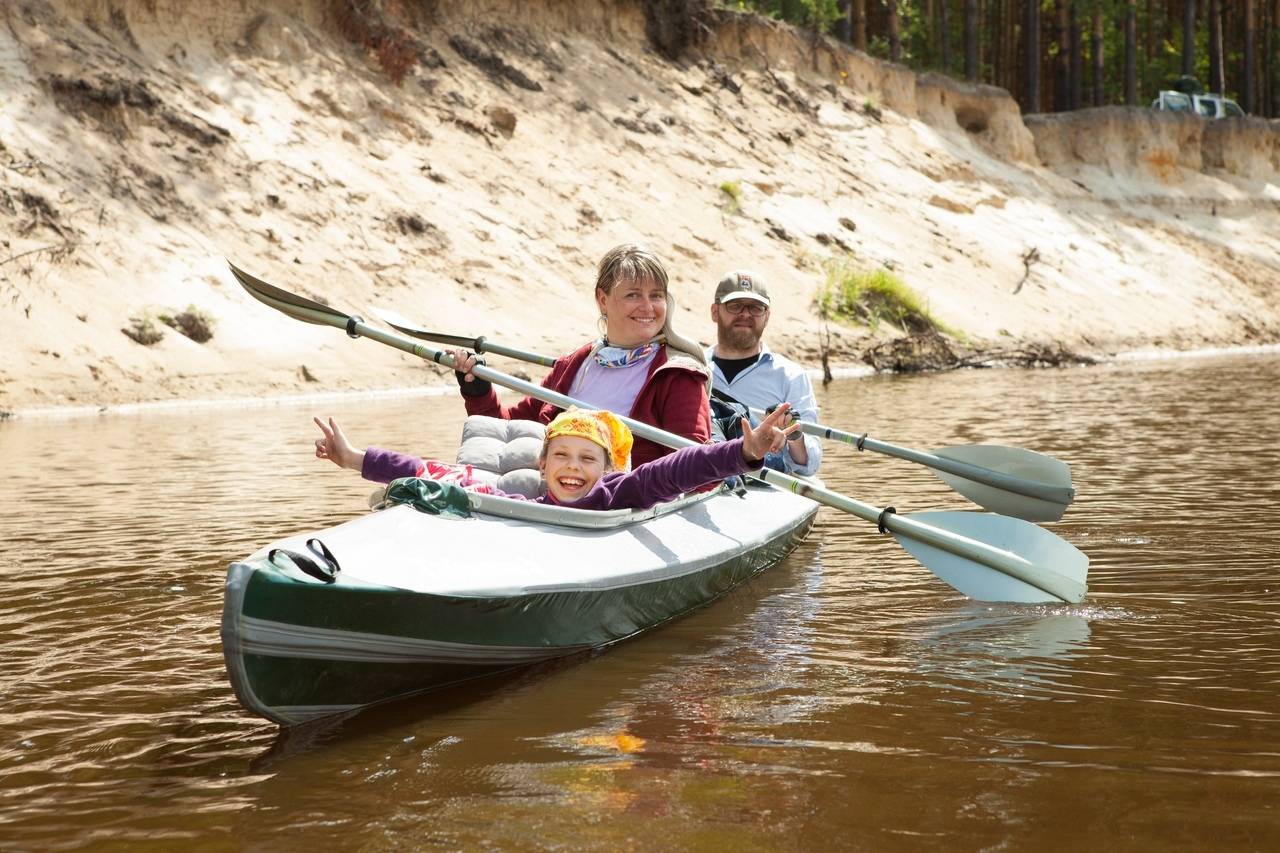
(737, 306)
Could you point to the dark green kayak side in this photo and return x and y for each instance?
(298, 649)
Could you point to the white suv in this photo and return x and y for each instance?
(1208, 106)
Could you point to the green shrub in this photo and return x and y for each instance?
(733, 190)
(855, 297)
(195, 323)
(818, 15)
(142, 329)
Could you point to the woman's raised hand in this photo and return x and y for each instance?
(335, 447)
(768, 437)
(463, 363)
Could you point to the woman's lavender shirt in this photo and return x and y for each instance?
(611, 388)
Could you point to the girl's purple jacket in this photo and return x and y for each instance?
(662, 479)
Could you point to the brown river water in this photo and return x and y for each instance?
(845, 698)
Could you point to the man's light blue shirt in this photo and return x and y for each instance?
(775, 379)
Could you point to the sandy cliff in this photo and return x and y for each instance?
(143, 142)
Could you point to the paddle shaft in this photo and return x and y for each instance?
(481, 345)
(995, 558)
(977, 473)
(999, 559)
(1004, 561)
(986, 476)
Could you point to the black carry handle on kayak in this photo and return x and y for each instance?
(328, 574)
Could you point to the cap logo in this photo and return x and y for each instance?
(741, 285)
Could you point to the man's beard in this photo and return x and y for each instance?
(740, 337)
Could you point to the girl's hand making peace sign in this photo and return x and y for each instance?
(766, 438)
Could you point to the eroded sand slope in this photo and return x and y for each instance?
(143, 142)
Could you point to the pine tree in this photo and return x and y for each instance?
(1189, 37)
(1250, 58)
(1131, 52)
(971, 40)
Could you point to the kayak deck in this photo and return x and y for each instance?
(536, 548)
(422, 602)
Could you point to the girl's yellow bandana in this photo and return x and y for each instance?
(603, 428)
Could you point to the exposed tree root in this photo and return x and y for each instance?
(930, 352)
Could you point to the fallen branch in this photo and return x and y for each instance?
(824, 348)
(1032, 255)
(67, 246)
(1031, 355)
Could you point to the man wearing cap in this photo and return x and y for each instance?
(748, 372)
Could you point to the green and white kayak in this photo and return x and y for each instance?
(424, 601)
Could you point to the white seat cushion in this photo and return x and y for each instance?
(505, 450)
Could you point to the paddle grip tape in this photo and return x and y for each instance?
(351, 326)
(328, 574)
(793, 435)
(858, 444)
(883, 513)
(479, 344)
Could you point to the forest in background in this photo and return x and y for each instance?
(1059, 55)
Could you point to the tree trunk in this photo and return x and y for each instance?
(971, 40)
(1011, 43)
(843, 22)
(944, 35)
(1250, 58)
(1096, 55)
(1189, 37)
(1264, 61)
(996, 35)
(930, 53)
(1216, 83)
(1274, 60)
(1031, 40)
(1062, 59)
(858, 22)
(895, 32)
(1131, 52)
(985, 41)
(1152, 33)
(1077, 59)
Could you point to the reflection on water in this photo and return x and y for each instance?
(1023, 650)
(845, 698)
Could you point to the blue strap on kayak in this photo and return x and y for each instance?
(328, 574)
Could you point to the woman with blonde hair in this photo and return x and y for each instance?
(639, 367)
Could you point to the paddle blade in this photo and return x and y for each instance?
(1015, 462)
(400, 324)
(297, 307)
(1056, 570)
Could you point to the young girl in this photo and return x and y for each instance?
(584, 459)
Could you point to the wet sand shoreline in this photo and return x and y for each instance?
(185, 406)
